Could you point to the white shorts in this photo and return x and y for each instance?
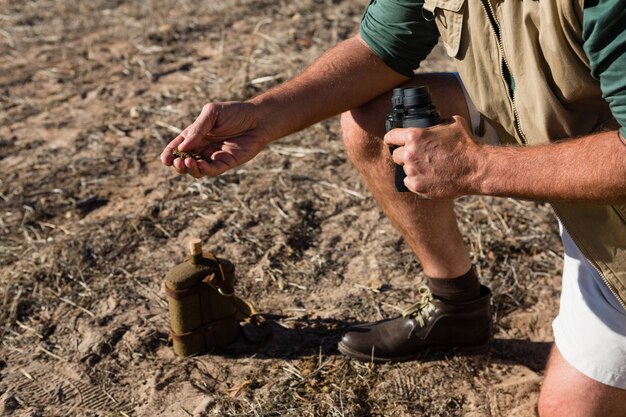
(590, 330)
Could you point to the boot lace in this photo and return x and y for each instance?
(421, 310)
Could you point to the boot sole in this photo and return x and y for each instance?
(381, 359)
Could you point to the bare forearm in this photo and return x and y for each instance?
(589, 169)
(344, 77)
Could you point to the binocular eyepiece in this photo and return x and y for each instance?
(411, 107)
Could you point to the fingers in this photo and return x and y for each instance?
(399, 136)
(179, 166)
(413, 185)
(410, 170)
(399, 156)
(220, 142)
(200, 168)
(212, 168)
(402, 136)
(166, 156)
(192, 168)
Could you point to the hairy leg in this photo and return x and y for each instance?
(429, 227)
(568, 393)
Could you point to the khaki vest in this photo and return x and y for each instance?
(555, 97)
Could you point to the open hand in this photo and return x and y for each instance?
(441, 161)
(225, 135)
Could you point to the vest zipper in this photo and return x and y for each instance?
(592, 263)
(495, 26)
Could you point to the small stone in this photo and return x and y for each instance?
(375, 284)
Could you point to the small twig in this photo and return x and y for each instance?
(346, 190)
(73, 304)
(117, 130)
(169, 127)
(29, 328)
(46, 351)
(157, 296)
(293, 284)
(8, 37)
(365, 287)
(395, 307)
(378, 310)
(489, 218)
(291, 369)
(110, 396)
(12, 312)
(280, 211)
(312, 374)
(296, 310)
(27, 375)
(262, 80)
(499, 216)
(297, 151)
(249, 53)
(161, 228)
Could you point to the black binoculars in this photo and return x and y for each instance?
(411, 107)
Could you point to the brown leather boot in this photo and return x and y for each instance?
(431, 323)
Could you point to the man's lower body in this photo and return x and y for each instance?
(456, 311)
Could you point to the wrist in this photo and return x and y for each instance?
(269, 112)
(482, 182)
(262, 110)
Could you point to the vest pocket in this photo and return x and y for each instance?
(448, 14)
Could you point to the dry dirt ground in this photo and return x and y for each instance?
(90, 92)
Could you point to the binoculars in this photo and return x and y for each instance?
(411, 107)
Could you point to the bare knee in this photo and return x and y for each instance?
(548, 405)
(359, 143)
(567, 392)
(567, 403)
(362, 140)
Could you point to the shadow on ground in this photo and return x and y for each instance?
(320, 336)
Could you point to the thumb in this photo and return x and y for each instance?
(461, 120)
(200, 129)
(192, 140)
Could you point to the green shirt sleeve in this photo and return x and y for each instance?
(604, 39)
(398, 33)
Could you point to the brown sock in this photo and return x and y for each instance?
(463, 288)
